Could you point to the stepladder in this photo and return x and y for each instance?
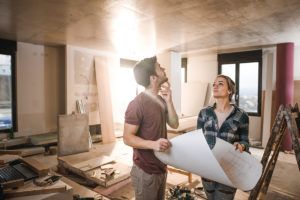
(285, 119)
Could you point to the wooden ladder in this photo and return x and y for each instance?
(285, 118)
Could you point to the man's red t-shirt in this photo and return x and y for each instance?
(149, 113)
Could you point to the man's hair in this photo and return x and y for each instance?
(231, 85)
(143, 70)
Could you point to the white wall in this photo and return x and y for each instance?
(40, 88)
(171, 61)
(268, 86)
(202, 67)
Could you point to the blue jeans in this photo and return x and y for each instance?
(217, 191)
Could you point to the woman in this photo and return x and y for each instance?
(225, 121)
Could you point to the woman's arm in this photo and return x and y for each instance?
(244, 132)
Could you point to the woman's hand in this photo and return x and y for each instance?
(239, 146)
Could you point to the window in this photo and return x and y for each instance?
(245, 69)
(7, 86)
(183, 70)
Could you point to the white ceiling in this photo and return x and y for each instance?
(144, 27)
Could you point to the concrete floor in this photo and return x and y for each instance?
(285, 182)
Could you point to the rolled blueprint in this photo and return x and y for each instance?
(224, 164)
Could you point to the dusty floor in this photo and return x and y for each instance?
(285, 182)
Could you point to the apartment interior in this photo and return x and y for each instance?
(69, 57)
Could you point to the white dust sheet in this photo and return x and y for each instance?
(224, 164)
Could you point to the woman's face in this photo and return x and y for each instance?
(220, 88)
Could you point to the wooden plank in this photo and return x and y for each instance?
(102, 65)
(121, 172)
(11, 152)
(7, 158)
(97, 174)
(109, 190)
(12, 142)
(185, 125)
(13, 184)
(87, 164)
(43, 139)
(37, 166)
(179, 171)
(30, 189)
(73, 136)
(83, 191)
(93, 163)
(24, 151)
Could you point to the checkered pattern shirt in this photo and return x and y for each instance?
(234, 129)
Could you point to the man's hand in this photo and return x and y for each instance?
(239, 147)
(161, 144)
(165, 92)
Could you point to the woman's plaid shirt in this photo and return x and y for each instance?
(234, 129)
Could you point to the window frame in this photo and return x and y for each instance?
(184, 65)
(244, 57)
(9, 47)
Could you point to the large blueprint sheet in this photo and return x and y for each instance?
(223, 163)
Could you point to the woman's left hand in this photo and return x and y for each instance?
(239, 147)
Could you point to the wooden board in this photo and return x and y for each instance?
(13, 184)
(109, 190)
(297, 91)
(7, 158)
(185, 125)
(85, 165)
(13, 142)
(24, 151)
(192, 97)
(93, 168)
(121, 173)
(102, 65)
(73, 134)
(82, 190)
(43, 139)
(31, 189)
(36, 166)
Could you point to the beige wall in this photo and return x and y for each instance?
(171, 61)
(81, 82)
(40, 88)
(202, 67)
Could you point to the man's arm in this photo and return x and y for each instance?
(172, 118)
(131, 139)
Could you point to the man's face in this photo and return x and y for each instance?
(160, 73)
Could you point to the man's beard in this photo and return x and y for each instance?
(163, 80)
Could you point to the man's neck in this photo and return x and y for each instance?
(152, 90)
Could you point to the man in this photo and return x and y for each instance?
(145, 129)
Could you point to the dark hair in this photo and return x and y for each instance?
(231, 85)
(143, 70)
